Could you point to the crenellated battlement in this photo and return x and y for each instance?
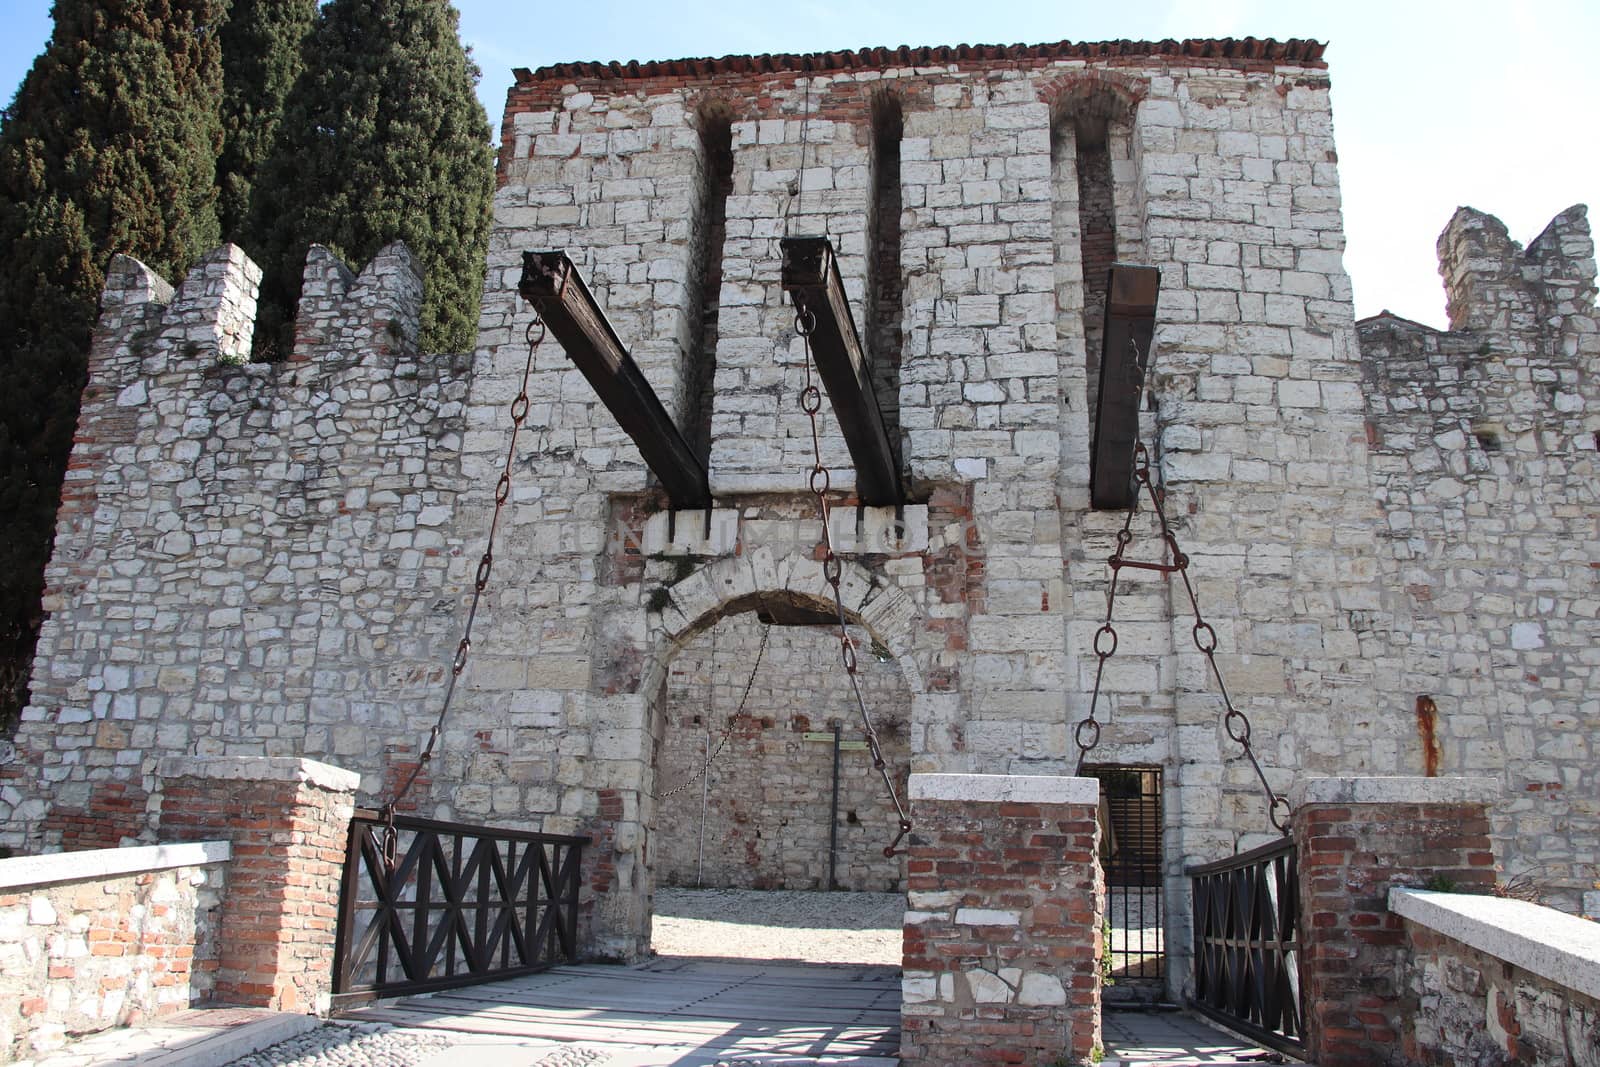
(1493, 283)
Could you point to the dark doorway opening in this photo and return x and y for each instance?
(1131, 855)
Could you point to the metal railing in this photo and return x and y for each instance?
(1246, 952)
(452, 905)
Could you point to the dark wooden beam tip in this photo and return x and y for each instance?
(1130, 323)
(811, 278)
(552, 284)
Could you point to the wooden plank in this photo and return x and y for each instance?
(1130, 322)
(811, 278)
(552, 284)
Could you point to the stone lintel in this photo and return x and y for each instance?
(1005, 788)
(1394, 791)
(1551, 944)
(262, 769)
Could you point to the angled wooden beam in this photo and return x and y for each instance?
(811, 277)
(552, 284)
(1130, 326)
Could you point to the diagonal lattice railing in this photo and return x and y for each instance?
(459, 904)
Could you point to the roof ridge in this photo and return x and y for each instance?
(1244, 49)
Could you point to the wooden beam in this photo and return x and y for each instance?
(552, 284)
(811, 278)
(1130, 325)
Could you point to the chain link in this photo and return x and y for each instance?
(1234, 722)
(833, 573)
(534, 335)
(734, 719)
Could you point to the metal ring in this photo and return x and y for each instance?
(1124, 536)
(1106, 629)
(1077, 735)
(535, 324)
(811, 400)
(805, 321)
(1242, 736)
(485, 565)
(462, 650)
(849, 652)
(832, 568)
(502, 488)
(519, 407)
(820, 474)
(1278, 802)
(390, 846)
(1205, 627)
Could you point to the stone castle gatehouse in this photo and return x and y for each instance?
(1394, 530)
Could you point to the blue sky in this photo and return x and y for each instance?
(1435, 104)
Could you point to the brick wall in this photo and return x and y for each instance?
(287, 820)
(1002, 931)
(103, 939)
(1356, 839)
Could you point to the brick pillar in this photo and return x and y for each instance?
(1355, 838)
(288, 821)
(1002, 931)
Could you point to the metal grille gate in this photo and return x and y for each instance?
(458, 905)
(1131, 854)
(1246, 953)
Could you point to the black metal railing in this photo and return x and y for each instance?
(1246, 952)
(459, 904)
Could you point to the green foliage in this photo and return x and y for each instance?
(109, 146)
(261, 58)
(382, 139)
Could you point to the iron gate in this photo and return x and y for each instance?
(460, 904)
(1131, 829)
(1246, 952)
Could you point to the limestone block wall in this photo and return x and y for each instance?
(251, 560)
(1485, 467)
(767, 794)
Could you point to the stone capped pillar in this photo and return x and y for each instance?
(1002, 930)
(288, 821)
(1356, 838)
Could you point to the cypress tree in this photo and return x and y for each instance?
(109, 146)
(382, 139)
(261, 58)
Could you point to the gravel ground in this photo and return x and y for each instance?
(779, 925)
(356, 1045)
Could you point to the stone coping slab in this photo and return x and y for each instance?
(1551, 944)
(1005, 788)
(52, 867)
(262, 769)
(1394, 791)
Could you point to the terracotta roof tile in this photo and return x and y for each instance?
(1248, 49)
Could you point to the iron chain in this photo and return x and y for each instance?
(1234, 722)
(833, 573)
(534, 335)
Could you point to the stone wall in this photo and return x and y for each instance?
(1484, 464)
(1497, 981)
(768, 792)
(107, 938)
(251, 560)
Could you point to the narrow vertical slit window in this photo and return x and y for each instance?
(884, 283)
(1097, 236)
(716, 184)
